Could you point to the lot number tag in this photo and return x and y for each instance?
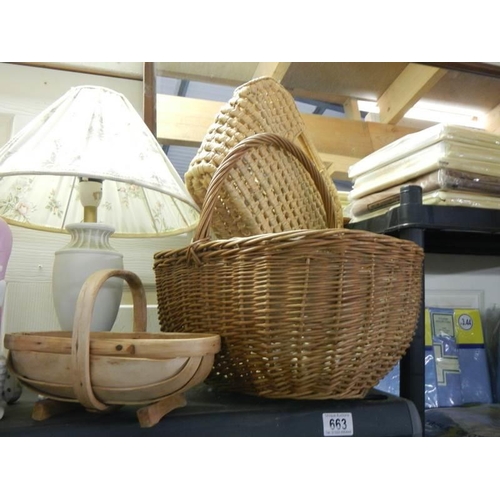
(337, 424)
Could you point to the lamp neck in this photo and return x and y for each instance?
(90, 197)
(89, 214)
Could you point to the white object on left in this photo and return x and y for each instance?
(3, 286)
(3, 376)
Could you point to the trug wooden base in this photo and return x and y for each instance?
(46, 408)
(148, 416)
(152, 414)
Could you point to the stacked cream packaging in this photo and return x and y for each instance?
(453, 165)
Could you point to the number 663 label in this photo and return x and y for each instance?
(337, 424)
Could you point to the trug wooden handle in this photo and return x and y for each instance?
(80, 346)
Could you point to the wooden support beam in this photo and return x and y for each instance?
(351, 109)
(127, 70)
(185, 121)
(276, 70)
(350, 137)
(312, 95)
(412, 83)
(492, 122)
(477, 68)
(149, 85)
(224, 73)
(336, 164)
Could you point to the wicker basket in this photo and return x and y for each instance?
(269, 191)
(305, 314)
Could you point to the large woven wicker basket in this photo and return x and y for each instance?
(269, 191)
(304, 314)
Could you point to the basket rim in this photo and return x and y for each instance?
(136, 345)
(292, 238)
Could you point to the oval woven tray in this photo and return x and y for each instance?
(269, 191)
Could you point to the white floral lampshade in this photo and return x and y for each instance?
(95, 134)
(92, 132)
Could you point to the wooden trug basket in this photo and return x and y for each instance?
(105, 370)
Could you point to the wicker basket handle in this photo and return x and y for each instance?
(207, 209)
(80, 344)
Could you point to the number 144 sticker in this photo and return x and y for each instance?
(337, 424)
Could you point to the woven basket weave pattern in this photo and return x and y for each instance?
(304, 314)
(312, 315)
(308, 172)
(286, 198)
(254, 108)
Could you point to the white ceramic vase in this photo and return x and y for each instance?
(88, 251)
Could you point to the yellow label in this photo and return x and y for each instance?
(465, 324)
(468, 328)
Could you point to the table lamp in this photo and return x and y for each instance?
(89, 165)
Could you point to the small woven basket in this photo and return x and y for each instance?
(269, 191)
(305, 314)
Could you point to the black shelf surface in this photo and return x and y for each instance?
(211, 412)
(459, 230)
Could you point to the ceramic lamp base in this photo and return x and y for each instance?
(88, 251)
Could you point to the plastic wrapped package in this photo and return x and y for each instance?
(455, 339)
(446, 154)
(417, 141)
(472, 419)
(491, 326)
(443, 378)
(456, 367)
(390, 383)
(436, 395)
(441, 198)
(443, 179)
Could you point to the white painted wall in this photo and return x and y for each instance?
(28, 302)
(462, 281)
(24, 92)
